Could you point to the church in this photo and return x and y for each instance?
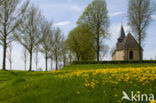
(127, 48)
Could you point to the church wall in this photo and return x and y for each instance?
(135, 54)
(119, 55)
(125, 55)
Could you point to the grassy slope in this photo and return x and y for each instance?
(44, 87)
(103, 66)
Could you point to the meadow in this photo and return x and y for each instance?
(94, 83)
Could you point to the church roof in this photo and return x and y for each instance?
(122, 34)
(128, 43)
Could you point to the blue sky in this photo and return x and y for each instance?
(65, 13)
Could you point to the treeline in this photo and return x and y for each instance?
(24, 23)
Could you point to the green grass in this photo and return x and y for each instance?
(103, 66)
(46, 87)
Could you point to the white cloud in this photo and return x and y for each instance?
(76, 8)
(63, 23)
(154, 17)
(64, 6)
(115, 14)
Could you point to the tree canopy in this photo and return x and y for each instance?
(81, 42)
(96, 17)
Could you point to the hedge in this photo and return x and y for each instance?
(113, 62)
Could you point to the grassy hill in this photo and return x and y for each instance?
(78, 84)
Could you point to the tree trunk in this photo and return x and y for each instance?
(98, 44)
(56, 62)
(25, 60)
(140, 49)
(4, 56)
(10, 65)
(70, 57)
(70, 60)
(30, 67)
(139, 32)
(78, 58)
(46, 63)
(97, 52)
(36, 65)
(77, 55)
(25, 66)
(51, 64)
(5, 43)
(64, 61)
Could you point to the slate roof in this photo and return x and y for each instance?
(122, 34)
(128, 43)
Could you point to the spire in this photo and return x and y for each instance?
(122, 34)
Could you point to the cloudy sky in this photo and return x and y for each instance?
(65, 13)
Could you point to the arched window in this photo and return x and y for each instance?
(131, 55)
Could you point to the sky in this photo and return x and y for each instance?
(65, 13)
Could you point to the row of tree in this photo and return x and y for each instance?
(86, 40)
(25, 24)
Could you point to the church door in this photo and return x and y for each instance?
(131, 55)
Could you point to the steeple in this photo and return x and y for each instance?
(122, 34)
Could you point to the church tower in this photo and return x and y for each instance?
(122, 35)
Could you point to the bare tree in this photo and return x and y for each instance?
(10, 18)
(56, 47)
(9, 55)
(29, 31)
(139, 16)
(47, 35)
(24, 57)
(64, 51)
(36, 50)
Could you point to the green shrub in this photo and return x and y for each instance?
(113, 62)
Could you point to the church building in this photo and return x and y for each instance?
(127, 48)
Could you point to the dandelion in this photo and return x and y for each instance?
(153, 102)
(116, 75)
(87, 84)
(78, 92)
(116, 95)
(138, 92)
(118, 101)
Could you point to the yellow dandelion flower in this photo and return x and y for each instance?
(78, 92)
(153, 102)
(116, 95)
